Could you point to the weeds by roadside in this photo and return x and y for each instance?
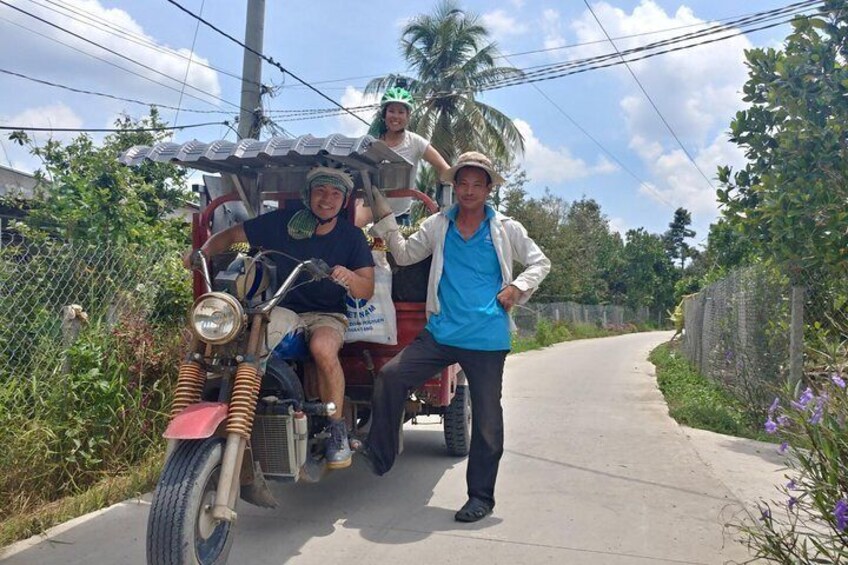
(696, 402)
(549, 333)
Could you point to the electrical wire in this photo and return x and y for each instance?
(559, 70)
(609, 153)
(265, 58)
(106, 26)
(117, 54)
(110, 130)
(648, 96)
(188, 66)
(105, 95)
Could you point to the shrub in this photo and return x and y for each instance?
(810, 524)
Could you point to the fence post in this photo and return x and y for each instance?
(73, 317)
(796, 337)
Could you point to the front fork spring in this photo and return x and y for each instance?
(190, 383)
(243, 400)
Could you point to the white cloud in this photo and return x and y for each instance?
(352, 97)
(552, 29)
(53, 116)
(65, 59)
(517, 3)
(501, 24)
(544, 164)
(680, 183)
(619, 225)
(697, 90)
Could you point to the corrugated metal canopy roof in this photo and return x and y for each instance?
(282, 162)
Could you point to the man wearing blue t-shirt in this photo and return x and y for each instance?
(470, 292)
(318, 232)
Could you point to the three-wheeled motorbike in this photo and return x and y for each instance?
(244, 415)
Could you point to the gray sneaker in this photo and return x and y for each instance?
(338, 448)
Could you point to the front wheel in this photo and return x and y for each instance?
(458, 422)
(181, 529)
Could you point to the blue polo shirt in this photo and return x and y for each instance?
(470, 315)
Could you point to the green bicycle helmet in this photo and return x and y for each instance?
(397, 95)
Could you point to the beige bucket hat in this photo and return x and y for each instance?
(472, 159)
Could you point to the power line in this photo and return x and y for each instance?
(600, 145)
(112, 51)
(188, 66)
(557, 48)
(105, 95)
(123, 33)
(264, 57)
(560, 70)
(743, 24)
(112, 130)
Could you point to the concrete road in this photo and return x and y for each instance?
(595, 472)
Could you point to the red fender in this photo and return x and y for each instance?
(197, 421)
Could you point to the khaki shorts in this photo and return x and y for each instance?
(283, 320)
(333, 320)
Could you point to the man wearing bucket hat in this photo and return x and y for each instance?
(470, 291)
(316, 231)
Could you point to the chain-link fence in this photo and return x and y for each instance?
(528, 316)
(754, 330)
(48, 291)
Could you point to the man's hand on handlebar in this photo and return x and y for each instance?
(342, 275)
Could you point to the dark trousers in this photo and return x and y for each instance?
(409, 369)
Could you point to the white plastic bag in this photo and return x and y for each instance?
(374, 320)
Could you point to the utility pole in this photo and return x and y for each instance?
(251, 75)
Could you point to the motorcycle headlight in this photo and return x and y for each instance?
(217, 318)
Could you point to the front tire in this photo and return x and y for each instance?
(180, 529)
(458, 423)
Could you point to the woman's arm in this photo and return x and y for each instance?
(436, 160)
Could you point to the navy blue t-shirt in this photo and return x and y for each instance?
(345, 245)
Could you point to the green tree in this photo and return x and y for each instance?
(789, 199)
(649, 274)
(677, 234)
(453, 60)
(590, 249)
(86, 195)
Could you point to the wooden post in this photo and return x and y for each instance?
(796, 337)
(73, 317)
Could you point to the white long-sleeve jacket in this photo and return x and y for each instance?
(509, 238)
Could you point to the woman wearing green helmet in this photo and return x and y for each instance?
(396, 105)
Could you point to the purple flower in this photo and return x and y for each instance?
(791, 484)
(803, 400)
(840, 512)
(783, 447)
(771, 426)
(774, 406)
(838, 380)
(815, 419)
(791, 502)
(765, 513)
(782, 420)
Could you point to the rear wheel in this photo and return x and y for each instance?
(181, 529)
(458, 422)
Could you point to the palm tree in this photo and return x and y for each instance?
(452, 59)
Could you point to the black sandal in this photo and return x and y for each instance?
(475, 509)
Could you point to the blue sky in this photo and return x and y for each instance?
(339, 44)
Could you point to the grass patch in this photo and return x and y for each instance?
(104, 493)
(549, 333)
(697, 402)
